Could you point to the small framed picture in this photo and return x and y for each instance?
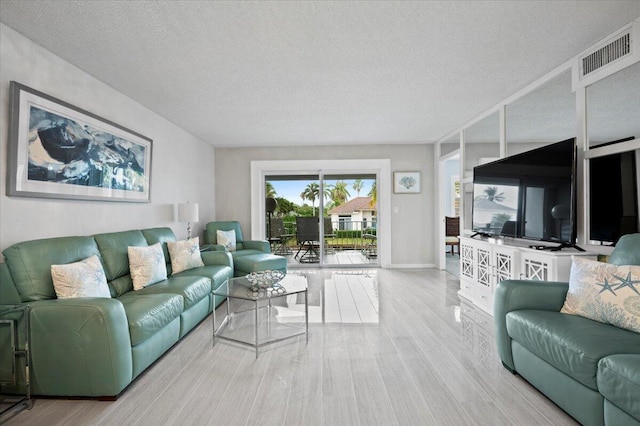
(406, 182)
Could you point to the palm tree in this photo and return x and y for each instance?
(373, 193)
(493, 195)
(311, 193)
(357, 186)
(340, 193)
(270, 190)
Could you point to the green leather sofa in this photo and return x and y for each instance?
(95, 347)
(591, 370)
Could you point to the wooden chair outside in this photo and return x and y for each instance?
(452, 231)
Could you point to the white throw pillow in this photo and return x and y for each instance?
(147, 265)
(185, 254)
(85, 278)
(604, 292)
(227, 239)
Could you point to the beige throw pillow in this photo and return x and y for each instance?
(85, 278)
(227, 239)
(147, 265)
(605, 293)
(185, 254)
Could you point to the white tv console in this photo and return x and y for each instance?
(484, 262)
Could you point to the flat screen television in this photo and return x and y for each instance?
(531, 195)
(613, 196)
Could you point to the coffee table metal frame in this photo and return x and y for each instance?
(10, 317)
(240, 288)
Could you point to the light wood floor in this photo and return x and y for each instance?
(429, 361)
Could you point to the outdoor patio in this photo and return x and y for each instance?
(334, 257)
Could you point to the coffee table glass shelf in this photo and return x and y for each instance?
(250, 319)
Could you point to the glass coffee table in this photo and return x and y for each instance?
(250, 319)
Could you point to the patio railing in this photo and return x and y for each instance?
(343, 235)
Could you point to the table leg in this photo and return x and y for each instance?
(213, 326)
(256, 328)
(269, 318)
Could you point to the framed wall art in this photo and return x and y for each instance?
(57, 150)
(406, 182)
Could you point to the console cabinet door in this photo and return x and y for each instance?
(537, 267)
(505, 264)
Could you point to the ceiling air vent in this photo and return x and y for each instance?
(607, 54)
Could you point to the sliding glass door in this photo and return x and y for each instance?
(318, 219)
(350, 219)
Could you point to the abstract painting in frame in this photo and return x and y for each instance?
(57, 150)
(406, 182)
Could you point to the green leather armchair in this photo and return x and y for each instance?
(589, 369)
(243, 247)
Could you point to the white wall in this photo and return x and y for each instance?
(182, 165)
(412, 232)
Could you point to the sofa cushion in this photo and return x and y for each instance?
(192, 289)
(185, 255)
(572, 344)
(604, 292)
(619, 382)
(245, 252)
(149, 313)
(216, 273)
(30, 263)
(80, 279)
(147, 265)
(120, 286)
(114, 250)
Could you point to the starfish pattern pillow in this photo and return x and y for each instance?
(227, 239)
(147, 265)
(85, 278)
(184, 255)
(605, 293)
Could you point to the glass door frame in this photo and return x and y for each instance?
(379, 167)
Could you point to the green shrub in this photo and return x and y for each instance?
(348, 234)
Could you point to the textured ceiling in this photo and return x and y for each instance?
(310, 73)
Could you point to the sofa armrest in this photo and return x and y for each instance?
(217, 247)
(8, 292)
(217, 258)
(261, 245)
(80, 347)
(515, 295)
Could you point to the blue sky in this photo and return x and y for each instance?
(292, 189)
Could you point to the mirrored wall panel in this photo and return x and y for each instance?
(543, 116)
(451, 144)
(481, 146)
(613, 108)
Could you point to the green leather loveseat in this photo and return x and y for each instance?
(95, 347)
(588, 368)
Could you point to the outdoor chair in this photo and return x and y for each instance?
(308, 238)
(278, 237)
(328, 233)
